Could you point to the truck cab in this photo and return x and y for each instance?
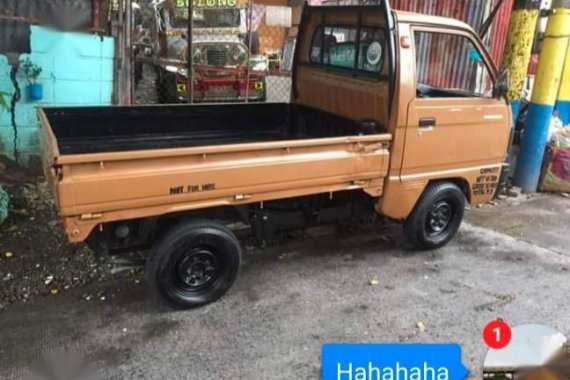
(391, 113)
(428, 81)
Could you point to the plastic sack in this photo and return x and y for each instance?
(556, 128)
(556, 177)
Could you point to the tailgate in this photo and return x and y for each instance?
(50, 153)
(128, 185)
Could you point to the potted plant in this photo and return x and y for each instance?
(32, 71)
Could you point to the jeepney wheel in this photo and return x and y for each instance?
(166, 88)
(436, 217)
(194, 263)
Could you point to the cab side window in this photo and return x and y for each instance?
(449, 65)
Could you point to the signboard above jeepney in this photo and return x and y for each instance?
(213, 4)
(207, 32)
(209, 21)
(278, 16)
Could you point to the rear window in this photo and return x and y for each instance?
(360, 50)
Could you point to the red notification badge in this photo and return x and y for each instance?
(497, 334)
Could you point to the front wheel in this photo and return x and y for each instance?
(436, 217)
(166, 88)
(194, 264)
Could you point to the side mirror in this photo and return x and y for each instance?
(503, 84)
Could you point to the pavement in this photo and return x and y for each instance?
(510, 261)
(278, 89)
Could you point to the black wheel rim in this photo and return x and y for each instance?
(439, 218)
(197, 270)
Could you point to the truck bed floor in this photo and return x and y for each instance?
(81, 130)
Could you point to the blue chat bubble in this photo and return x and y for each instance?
(393, 362)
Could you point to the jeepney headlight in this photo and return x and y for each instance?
(238, 55)
(172, 69)
(374, 53)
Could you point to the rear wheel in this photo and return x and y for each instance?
(436, 217)
(166, 88)
(194, 264)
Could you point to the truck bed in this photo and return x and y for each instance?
(107, 164)
(114, 129)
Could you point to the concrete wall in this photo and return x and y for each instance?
(77, 70)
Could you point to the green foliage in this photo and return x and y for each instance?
(30, 70)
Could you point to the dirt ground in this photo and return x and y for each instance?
(35, 259)
(510, 260)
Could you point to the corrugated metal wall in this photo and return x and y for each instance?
(473, 12)
(533, 65)
(467, 10)
(448, 60)
(498, 34)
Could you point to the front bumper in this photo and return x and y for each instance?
(204, 92)
(217, 88)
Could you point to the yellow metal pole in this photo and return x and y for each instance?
(518, 48)
(563, 102)
(550, 66)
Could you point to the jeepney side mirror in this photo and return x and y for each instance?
(502, 85)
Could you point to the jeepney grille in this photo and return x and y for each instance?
(217, 56)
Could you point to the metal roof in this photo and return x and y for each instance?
(16, 16)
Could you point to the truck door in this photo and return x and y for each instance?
(454, 123)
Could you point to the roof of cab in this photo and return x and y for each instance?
(417, 18)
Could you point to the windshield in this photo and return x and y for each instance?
(207, 18)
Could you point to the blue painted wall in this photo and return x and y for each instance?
(77, 70)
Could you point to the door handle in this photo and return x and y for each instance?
(427, 122)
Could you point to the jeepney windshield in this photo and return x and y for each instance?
(207, 18)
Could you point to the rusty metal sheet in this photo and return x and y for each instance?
(499, 31)
(16, 16)
(14, 36)
(64, 14)
(473, 13)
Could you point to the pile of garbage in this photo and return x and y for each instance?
(556, 174)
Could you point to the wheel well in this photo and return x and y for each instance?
(141, 233)
(460, 182)
(224, 214)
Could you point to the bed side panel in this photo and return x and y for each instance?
(103, 191)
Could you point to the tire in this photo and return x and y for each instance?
(436, 217)
(193, 264)
(166, 88)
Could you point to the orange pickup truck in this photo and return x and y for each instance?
(379, 122)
